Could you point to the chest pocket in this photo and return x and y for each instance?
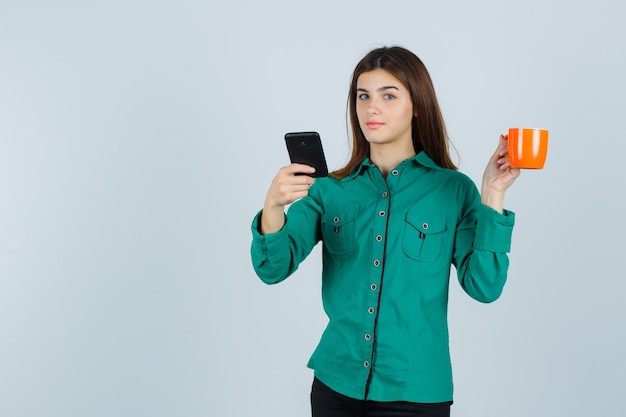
(423, 235)
(339, 230)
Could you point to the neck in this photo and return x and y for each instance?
(387, 157)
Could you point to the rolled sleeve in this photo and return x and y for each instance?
(494, 230)
(270, 252)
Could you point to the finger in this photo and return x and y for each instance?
(303, 179)
(288, 181)
(299, 182)
(301, 169)
(295, 195)
(297, 187)
(502, 158)
(503, 147)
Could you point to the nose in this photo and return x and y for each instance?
(372, 108)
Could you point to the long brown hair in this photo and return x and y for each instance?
(428, 128)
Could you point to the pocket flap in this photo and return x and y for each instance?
(426, 223)
(340, 216)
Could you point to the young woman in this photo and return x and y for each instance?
(392, 221)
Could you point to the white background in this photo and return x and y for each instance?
(138, 138)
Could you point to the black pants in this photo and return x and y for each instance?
(327, 403)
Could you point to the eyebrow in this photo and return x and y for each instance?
(387, 87)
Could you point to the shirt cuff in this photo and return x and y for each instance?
(494, 230)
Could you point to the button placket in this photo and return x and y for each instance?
(381, 212)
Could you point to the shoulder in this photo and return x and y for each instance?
(445, 175)
(328, 183)
(455, 178)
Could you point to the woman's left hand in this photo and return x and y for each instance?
(498, 176)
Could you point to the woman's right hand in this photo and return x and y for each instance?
(286, 188)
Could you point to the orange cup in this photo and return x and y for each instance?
(528, 147)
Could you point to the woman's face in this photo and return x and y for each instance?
(384, 109)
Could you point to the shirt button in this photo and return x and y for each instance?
(425, 226)
(373, 287)
(370, 310)
(385, 194)
(376, 262)
(394, 172)
(336, 220)
(379, 238)
(381, 213)
(368, 336)
(366, 364)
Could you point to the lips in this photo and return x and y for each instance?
(374, 124)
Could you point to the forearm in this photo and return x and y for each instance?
(272, 219)
(482, 243)
(276, 255)
(483, 275)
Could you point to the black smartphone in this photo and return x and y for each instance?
(306, 148)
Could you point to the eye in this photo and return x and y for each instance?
(389, 96)
(363, 96)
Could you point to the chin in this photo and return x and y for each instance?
(376, 141)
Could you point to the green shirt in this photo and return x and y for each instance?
(387, 249)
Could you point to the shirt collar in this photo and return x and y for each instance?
(422, 158)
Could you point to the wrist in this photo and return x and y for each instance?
(272, 219)
(492, 198)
